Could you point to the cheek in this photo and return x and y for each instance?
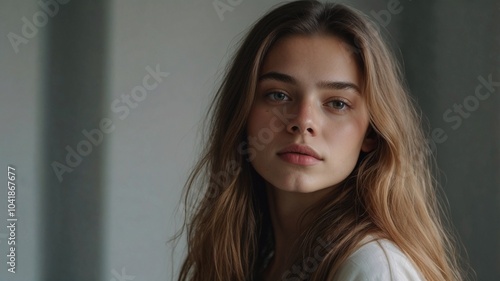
(357, 127)
(349, 136)
(257, 120)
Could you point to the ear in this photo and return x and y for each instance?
(370, 140)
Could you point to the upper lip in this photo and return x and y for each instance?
(301, 149)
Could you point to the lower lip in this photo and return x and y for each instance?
(299, 159)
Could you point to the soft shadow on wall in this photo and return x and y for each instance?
(74, 92)
(452, 55)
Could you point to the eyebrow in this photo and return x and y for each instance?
(334, 85)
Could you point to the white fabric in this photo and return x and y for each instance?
(378, 260)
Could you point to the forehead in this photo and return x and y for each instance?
(319, 57)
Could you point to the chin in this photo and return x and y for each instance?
(297, 186)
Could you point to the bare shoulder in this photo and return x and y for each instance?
(378, 260)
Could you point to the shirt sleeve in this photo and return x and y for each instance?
(378, 260)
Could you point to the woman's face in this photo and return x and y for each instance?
(309, 119)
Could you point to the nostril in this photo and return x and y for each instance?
(309, 130)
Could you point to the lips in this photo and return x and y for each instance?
(301, 150)
(301, 155)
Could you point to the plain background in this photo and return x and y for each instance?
(111, 216)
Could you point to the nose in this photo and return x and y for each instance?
(304, 122)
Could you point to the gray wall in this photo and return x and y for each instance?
(109, 217)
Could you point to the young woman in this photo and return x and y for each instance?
(316, 167)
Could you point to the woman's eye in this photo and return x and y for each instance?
(338, 104)
(277, 96)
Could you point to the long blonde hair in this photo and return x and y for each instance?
(390, 193)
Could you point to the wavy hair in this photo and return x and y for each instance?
(391, 193)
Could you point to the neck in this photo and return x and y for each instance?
(286, 209)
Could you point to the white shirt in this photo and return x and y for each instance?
(378, 260)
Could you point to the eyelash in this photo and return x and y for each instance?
(345, 104)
